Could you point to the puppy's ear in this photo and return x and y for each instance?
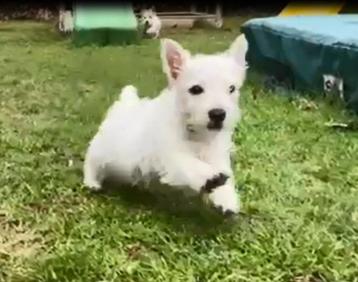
(174, 57)
(238, 50)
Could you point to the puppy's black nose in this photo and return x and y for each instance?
(217, 115)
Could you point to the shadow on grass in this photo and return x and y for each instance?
(180, 209)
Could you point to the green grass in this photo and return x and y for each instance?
(298, 179)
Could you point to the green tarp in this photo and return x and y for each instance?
(103, 25)
(301, 49)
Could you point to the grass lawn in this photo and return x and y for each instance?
(298, 179)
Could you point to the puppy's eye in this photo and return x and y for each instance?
(196, 90)
(232, 88)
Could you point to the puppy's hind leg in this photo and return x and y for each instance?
(93, 173)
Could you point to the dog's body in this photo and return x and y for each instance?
(183, 136)
(151, 22)
(66, 22)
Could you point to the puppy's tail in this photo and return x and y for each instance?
(129, 95)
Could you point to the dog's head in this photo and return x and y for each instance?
(207, 87)
(147, 16)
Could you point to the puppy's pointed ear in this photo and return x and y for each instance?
(174, 57)
(238, 50)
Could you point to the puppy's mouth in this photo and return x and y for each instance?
(211, 126)
(190, 128)
(215, 125)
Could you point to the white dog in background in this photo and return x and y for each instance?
(183, 136)
(151, 22)
(66, 21)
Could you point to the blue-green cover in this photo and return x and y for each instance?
(303, 48)
(104, 24)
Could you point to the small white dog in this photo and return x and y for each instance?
(183, 136)
(66, 21)
(152, 23)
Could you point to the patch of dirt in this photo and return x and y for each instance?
(16, 239)
(134, 251)
(314, 277)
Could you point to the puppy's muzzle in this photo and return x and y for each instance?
(216, 117)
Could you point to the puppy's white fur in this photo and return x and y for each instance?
(153, 21)
(66, 22)
(168, 136)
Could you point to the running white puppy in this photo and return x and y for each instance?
(151, 22)
(183, 136)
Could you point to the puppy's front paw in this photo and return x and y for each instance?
(214, 182)
(225, 199)
(92, 185)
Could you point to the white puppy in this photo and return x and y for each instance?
(151, 22)
(66, 21)
(183, 136)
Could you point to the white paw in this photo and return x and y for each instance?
(93, 185)
(225, 198)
